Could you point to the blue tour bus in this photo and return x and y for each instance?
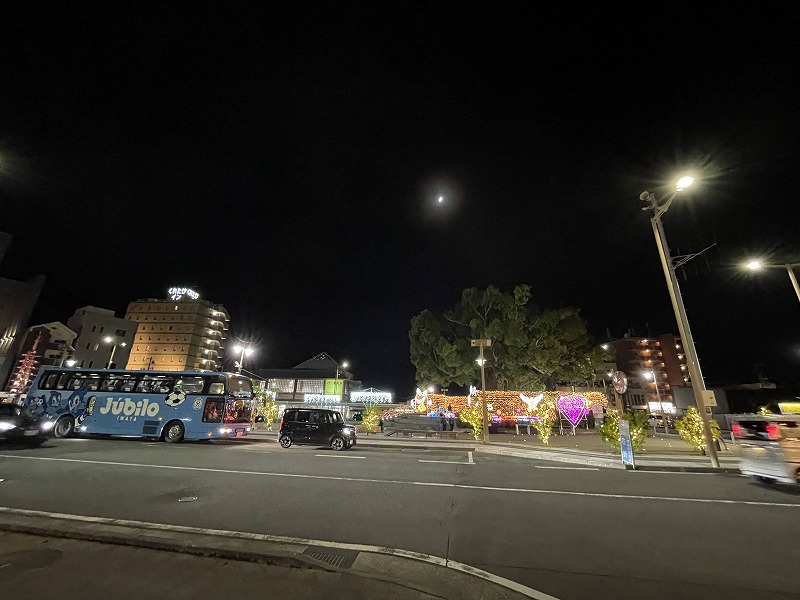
(170, 405)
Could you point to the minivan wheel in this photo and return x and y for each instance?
(338, 444)
(285, 441)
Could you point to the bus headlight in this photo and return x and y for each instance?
(47, 425)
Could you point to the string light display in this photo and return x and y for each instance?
(691, 429)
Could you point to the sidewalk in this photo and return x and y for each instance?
(662, 452)
(137, 558)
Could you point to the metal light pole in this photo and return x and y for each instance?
(109, 340)
(244, 350)
(658, 400)
(756, 265)
(698, 384)
(482, 362)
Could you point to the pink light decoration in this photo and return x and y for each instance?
(573, 408)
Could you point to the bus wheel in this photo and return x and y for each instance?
(64, 427)
(338, 444)
(173, 432)
(285, 441)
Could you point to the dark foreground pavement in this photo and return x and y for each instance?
(139, 564)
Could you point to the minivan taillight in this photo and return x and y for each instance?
(280, 424)
(773, 432)
(736, 429)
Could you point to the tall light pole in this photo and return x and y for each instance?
(243, 350)
(652, 374)
(483, 343)
(109, 340)
(757, 265)
(343, 366)
(659, 208)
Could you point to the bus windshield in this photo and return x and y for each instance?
(240, 387)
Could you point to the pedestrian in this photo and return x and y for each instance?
(442, 418)
(451, 417)
(380, 422)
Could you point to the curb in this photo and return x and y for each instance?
(276, 551)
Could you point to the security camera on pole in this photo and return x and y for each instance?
(482, 361)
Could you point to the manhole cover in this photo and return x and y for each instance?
(341, 559)
(187, 499)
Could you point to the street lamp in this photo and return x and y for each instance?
(243, 350)
(757, 265)
(652, 375)
(341, 367)
(70, 362)
(109, 340)
(659, 208)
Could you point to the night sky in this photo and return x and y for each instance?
(287, 164)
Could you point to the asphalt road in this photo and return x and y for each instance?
(572, 532)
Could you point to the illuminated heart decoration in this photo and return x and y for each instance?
(573, 408)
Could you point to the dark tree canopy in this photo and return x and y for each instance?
(531, 349)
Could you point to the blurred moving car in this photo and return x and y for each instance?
(17, 425)
(658, 420)
(769, 447)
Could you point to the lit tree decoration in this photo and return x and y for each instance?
(691, 429)
(609, 429)
(763, 410)
(546, 414)
(371, 417)
(473, 416)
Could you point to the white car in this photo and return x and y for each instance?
(769, 447)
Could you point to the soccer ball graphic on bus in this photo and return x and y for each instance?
(175, 398)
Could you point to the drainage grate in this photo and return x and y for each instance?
(341, 559)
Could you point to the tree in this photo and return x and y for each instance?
(473, 416)
(531, 349)
(548, 414)
(690, 427)
(637, 420)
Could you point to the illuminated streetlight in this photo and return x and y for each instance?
(441, 199)
(109, 340)
(757, 265)
(341, 367)
(659, 207)
(243, 350)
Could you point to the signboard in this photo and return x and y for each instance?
(483, 342)
(334, 386)
(709, 399)
(176, 293)
(625, 445)
(371, 397)
(322, 399)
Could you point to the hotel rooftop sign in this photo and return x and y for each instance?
(176, 293)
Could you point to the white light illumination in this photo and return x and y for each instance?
(371, 397)
(754, 265)
(441, 199)
(107, 339)
(662, 407)
(176, 293)
(322, 399)
(684, 182)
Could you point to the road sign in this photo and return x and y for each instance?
(709, 399)
(625, 445)
(483, 343)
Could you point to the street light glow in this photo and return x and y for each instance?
(684, 182)
(441, 199)
(237, 348)
(249, 351)
(754, 265)
(345, 364)
(107, 339)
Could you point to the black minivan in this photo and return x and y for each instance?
(315, 426)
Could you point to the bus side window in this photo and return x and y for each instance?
(93, 383)
(144, 386)
(128, 384)
(163, 386)
(75, 382)
(216, 389)
(62, 381)
(49, 381)
(212, 413)
(109, 385)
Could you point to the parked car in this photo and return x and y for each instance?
(315, 426)
(769, 447)
(658, 421)
(17, 425)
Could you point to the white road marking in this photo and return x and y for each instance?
(452, 462)
(670, 472)
(419, 483)
(568, 468)
(427, 558)
(338, 456)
